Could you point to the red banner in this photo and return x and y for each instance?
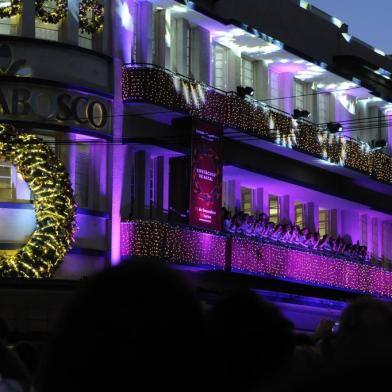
(206, 176)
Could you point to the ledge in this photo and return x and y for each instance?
(151, 84)
(190, 246)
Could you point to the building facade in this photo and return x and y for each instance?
(119, 104)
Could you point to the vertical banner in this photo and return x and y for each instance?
(205, 208)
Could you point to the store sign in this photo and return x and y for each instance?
(206, 176)
(54, 106)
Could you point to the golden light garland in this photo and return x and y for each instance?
(53, 203)
(159, 86)
(15, 8)
(54, 16)
(91, 24)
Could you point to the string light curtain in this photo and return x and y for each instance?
(190, 246)
(161, 87)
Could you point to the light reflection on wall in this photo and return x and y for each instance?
(125, 10)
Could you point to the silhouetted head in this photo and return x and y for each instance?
(251, 342)
(134, 327)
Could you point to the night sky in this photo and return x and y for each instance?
(368, 20)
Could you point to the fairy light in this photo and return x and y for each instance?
(91, 16)
(172, 243)
(157, 86)
(53, 204)
(255, 257)
(51, 16)
(12, 8)
(186, 245)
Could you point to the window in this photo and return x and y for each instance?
(323, 108)
(220, 67)
(273, 208)
(82, 174)
(247, 73)
(274, 89)
(299, 214)
(246, 200)
(85, 40)
(48, 31)
(6, 188)
(323, 221)
(299, 95)
(8, 26)
(12, 185)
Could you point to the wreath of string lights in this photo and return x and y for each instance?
(53, 203)
(176, 244)
(51, 16)
(185, 95)
(91, 24)
(14, 8)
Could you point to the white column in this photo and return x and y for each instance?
(286, 81)
(335, 220)
(286, 210)
(260, 201)
(144, 32)
(160, 38)
(351, 225)
(232, 195)
(233, 71)
(201, 54)
(70, 26)
(261, 80)
(311, 215)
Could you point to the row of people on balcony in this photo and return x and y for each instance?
(262, 227)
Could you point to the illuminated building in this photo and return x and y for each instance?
(117, 104)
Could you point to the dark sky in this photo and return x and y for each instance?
(368, 20)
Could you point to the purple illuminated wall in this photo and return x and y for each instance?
(176, 245)
(190, 246)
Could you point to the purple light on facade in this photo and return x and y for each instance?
(292, 68)
(389, 122)
(285, 263)
(189, 246)
(126, 9)
(177, 245)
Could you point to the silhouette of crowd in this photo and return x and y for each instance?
(141, 327)
(292, 235)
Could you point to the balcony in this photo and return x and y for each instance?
(145, 83)
(190, 246)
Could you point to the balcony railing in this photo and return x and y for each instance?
(152, 84)
(190, 246)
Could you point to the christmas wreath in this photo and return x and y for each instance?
(91, 23)
(14, 8)
(51, 16)
(53, 204)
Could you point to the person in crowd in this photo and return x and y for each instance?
(295, 235)
(303, 236)
(259, 227)
(269, 230)
(226, 217)
(286, 233)
(251, 344)
(247, 225)
(278, 233)
(136, 327)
